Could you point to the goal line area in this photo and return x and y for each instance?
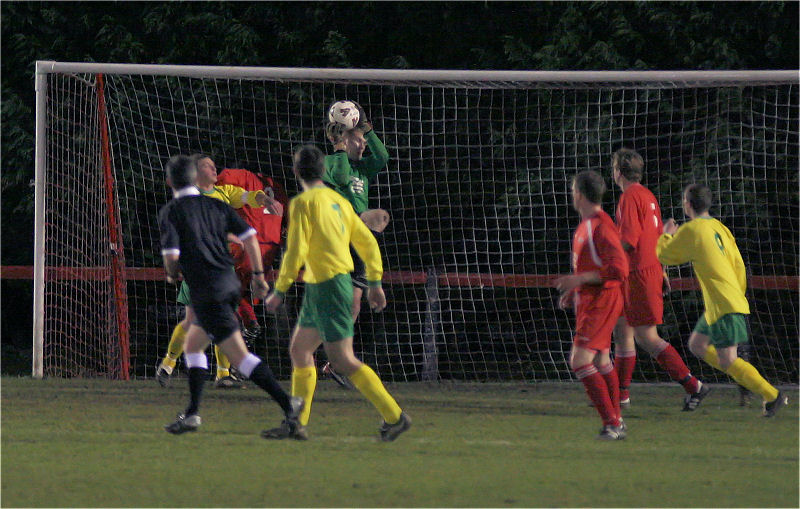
(477, 186)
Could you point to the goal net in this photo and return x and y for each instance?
(477, 187)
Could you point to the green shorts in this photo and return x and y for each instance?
(327, 307)
(184, 297)
(729, 330)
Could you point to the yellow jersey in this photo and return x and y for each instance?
(322, 225)
(716, 261)
(234, 196)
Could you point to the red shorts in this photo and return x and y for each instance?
(596, 316)
(644, 300)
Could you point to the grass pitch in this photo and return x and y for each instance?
(97, 443)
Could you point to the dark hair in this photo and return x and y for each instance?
(699, 197)
(629, 163)
(309, 162)
(199, 156)
(591, 185)
(181, 171)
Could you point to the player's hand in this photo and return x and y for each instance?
(375, 219)
(273, 302)
(259, 286)
(565, 284)
(272, 206)
(363, 124)
(376, 298)
(174, 279)
(233, 239)
(566, 300)
(666, 286)
(670, 226)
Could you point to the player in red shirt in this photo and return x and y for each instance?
(595, 287)
(268, 226)
(639, 223)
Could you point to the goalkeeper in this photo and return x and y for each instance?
(719, 268)
(349, 173)
(238, 198)
(322, 225)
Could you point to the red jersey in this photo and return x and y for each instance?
(596, 247)
(639, 223)
(268, 226)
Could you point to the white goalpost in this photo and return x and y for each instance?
(477, 187)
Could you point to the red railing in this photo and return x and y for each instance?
(399, 277)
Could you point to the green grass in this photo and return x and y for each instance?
(96, 443)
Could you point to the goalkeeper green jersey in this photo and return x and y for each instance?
(322, 225)
(717, 263)
(351, 178)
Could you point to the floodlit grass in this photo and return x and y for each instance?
(96, 443)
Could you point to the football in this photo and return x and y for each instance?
(345, 113)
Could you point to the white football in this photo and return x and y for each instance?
(345, 113)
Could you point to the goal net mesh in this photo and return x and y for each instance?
(478, 188)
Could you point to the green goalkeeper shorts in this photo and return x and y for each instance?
(729, 330)
(327, 307)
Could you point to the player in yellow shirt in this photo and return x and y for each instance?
(237, 198)
(719, 268)
(322, 226)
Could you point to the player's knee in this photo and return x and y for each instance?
(300, 356)
(697, 347)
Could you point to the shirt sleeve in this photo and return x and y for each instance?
(296, 248)
(609, 249)
(367, 248)
(238, 197)
(378, 155)
(338, 170)
(170, 242)
(675, 249)
(630, 227)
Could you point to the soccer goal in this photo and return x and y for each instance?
(477, 188)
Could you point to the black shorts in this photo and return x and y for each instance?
(217, 315)
(359, 274)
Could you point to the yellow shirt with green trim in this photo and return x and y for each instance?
(234, 196)
(717, 263)
(322, 225)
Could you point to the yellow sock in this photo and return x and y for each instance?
(223, 364)
(175, 347)
(748, 376)
(711, 357)
(368, 384)
(304, 381)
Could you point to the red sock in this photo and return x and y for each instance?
(597, 390)
(609, 374)
(671, 362)
(246, 312)
(625, 361)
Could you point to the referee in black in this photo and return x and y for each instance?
(194, 231)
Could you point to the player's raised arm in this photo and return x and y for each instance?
(675, 249)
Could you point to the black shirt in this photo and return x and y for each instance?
(196, 228)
